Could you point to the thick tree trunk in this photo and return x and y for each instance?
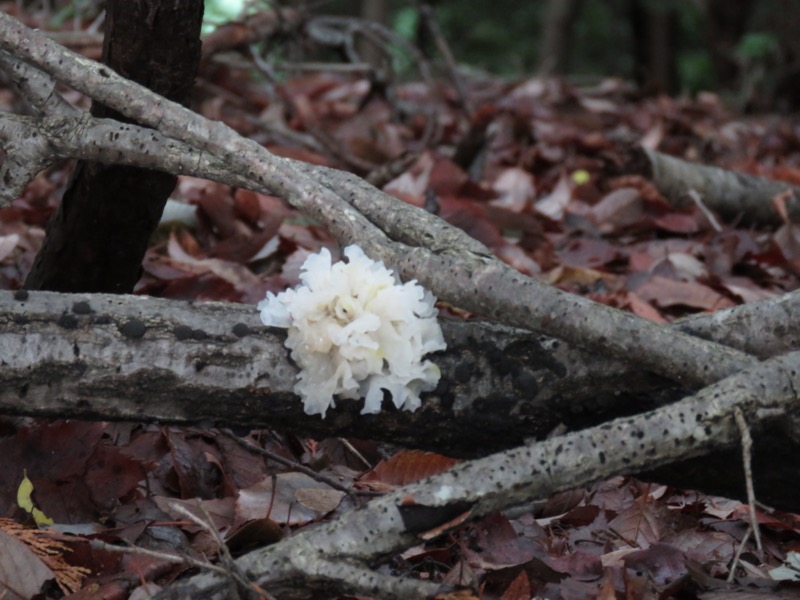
(98, 237)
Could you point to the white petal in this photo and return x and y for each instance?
(273, 311)
(355, 331)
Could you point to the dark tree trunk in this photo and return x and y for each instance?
(97, 238)
(376, 11)
(727, 22)
(557, 25)
(654, 32)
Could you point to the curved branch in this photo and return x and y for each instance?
(393, 522)
(475, 281)
(38, 88)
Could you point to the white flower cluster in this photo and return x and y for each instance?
(355, 330)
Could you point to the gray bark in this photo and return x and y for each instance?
(110, 357)
(416, 243)
(396, 521)
(735, 196)
(125, 358)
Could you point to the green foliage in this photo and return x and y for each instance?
(406, 21)
(757, 46)
(696, 71)
(218, 12)
(501, 36)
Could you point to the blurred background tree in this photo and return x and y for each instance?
(747, 50)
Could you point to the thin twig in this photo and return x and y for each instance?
(233, 570)
(362, 68)
(332, 146)
(352, 450)
(293, 464)
(738, 555)
(175, 558)
(695, 196)
(426, 11)
(747, 447)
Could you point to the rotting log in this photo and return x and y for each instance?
(110, 357)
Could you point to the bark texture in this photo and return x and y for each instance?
(97, 238)
(396, 520)
(116, 357)
(135, 358)
(734, 196)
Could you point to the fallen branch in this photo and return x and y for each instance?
(389, 524)
(109, 357)
(735, 196)
(416, 243)
(215, 364)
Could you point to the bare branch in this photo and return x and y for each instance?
(35, 143)
(735, 196)
(420, 245)
(690, 427)
(26, 155)
(37, 88)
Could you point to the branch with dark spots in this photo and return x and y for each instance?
(137, 359)
(536, 470)
(241, 330)
(133, 329)
(68, 321)
(515, 299)
(184, 359)
(81, 308)
(208, 373)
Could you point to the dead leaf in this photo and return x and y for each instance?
(618, 210)
(319, 500)
(641, 308)
(520, 588)
(516, 189)
(408, 466)
(554, 204)
(294, 499)
(668, 292)
(662, 562)
(22, 573)
(253, 534)
(7, 244)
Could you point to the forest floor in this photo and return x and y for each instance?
(537, 174)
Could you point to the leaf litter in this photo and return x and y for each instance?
(536, 188)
